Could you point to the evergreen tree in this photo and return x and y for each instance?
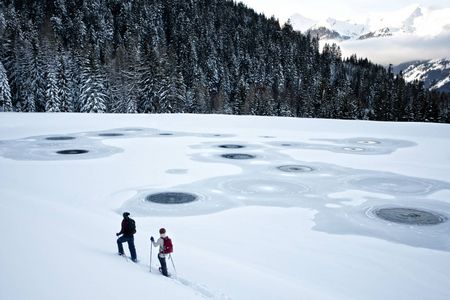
(149, 81)
(5, 92)
(172, 97)
(93, 98)
(52, 93)
(65, 84)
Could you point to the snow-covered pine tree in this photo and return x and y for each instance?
(172, 96)
(148, 80)
(33, 76)
(93, 96)
(64, 82)
(52, 92)
(200, 98)
(5, 91)
(240, 105)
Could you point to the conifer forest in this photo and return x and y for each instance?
(189, 56)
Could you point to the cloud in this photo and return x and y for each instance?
(399, 49)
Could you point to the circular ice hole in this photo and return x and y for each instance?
(238, 156)
(295, 169)
(110, 134)
(60, 138)
(72, 151)
(368, 142)
(409, 216)
(231, 146)
(166, 133)
(171, 198)
(353, 149)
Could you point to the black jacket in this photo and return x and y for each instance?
(128, 227)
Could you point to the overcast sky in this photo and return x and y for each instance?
(342, 9)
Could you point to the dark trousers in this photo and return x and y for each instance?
(130, 241)
(162, 261)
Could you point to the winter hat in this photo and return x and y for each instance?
(162, 231)
(126, 214)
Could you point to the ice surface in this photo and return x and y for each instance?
(397, 185)
(277, 180)
(90, 144)
(52, 147)
(357, 145)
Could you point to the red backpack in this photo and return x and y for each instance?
(167, 246)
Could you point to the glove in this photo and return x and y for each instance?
(152, 239)
(117, 234)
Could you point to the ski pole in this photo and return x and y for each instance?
(171, 259)
(151, 250)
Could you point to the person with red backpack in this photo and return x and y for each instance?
(165, 248)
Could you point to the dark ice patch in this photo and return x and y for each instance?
(59, 138)
(409, 216)
(171, 198)
(231, 146)
(238, 156)
(110, 134)
(72, 151)
(295, 169)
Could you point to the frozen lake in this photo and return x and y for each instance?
(346, 205)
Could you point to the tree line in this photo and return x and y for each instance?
(192, 56)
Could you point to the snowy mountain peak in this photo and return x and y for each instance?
(302, 23)
(378, 33)
(346, 29)
(408, 23)
(411, 20)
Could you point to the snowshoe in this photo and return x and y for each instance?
(160, 271)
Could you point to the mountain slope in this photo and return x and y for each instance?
(434, 73)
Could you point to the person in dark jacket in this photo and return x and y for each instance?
(127, 231)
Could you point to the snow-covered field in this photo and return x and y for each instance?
(299, 214)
